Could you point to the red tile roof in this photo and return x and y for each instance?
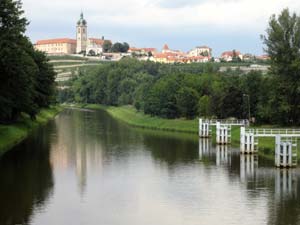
(230, 53)
(98, 41)
(57, 40)
(166, 47)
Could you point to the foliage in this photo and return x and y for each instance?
(119, 47)
(171, 91)
(26, 81)
(107, 46)
(283, 46)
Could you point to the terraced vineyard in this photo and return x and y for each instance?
(68, 66)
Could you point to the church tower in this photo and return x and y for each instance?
(81, 34)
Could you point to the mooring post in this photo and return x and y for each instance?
(200, 127)
(243, 130)
(218, 133)
(204, 128)
(277, 150)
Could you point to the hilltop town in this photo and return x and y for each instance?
(103, 49)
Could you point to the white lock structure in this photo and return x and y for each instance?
(285, 152)
(223, 134)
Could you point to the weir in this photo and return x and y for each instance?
(285, 144)
(223, 129)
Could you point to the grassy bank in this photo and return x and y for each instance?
(131, 116)
(11, 135)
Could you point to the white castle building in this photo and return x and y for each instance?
(82, 44)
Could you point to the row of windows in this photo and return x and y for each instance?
(83, 30)
(51, 45)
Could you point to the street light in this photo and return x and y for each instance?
(249, 113)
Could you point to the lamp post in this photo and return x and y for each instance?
(249, 113)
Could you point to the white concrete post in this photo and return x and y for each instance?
(218, 133)
(203, 128)
(277, 150)
(283, 152)
(200, 127)
(243, 130)
(290, 153)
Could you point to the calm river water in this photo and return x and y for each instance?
(86, 168)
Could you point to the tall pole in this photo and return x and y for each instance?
(249, 112)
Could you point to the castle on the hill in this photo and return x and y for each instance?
(82, 44)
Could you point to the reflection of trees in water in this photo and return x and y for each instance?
(284, 206)
(171, 150)
(25, 180)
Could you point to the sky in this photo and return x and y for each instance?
(183, 24)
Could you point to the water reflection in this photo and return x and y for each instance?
(223, 156)
(26, 180)
(285, 184)
(87, 168)
(248, 166)
(205, 148)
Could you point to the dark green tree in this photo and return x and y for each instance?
(107, 46)
(17, 68)
(45, 80)
(187, 102)
(283, 46)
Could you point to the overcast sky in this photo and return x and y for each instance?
(183, 24)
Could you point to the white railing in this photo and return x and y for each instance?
(273, 132)
(232, 122)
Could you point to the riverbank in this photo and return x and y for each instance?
(132, 117)
(12, 134)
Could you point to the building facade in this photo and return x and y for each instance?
(201, 51)
(230, 55)
(59, 46)
(82, 44)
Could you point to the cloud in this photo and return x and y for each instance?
(161, 13)
(185, 19)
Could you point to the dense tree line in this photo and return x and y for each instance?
(26, 78)
(173, 91)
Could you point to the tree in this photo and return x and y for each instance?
(283, 46)
(45, 80)
(235, 57)
(125, 47)
(17, 68)
(107, 46)
(187, 102)
(119, 47)
(26, 81)
(91, 53)
(205, 106)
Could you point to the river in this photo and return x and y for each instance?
(86, 168)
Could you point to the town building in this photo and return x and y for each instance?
(229, 55)
(174, 56)
(142, 51)
(82, 44)
(201, 51)
(57, 46)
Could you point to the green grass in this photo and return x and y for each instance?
(66, 57)
(11, 135)
(131, 116)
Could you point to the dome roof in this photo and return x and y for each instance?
(81, 21)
